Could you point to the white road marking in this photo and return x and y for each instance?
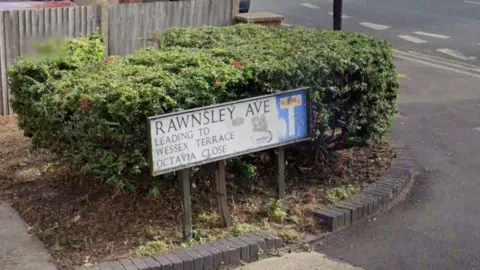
(432, 63)
(472, 2)
(374, 26)
(440, 60)
(431, 35)
(286, 24)
(445, 61)
(412, 39)
(477, 128)
(456, 54)
(343, 15)
(439, 66)
(308, 5)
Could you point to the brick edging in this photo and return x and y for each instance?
(376, 197)
(213, 255)
(251, 246)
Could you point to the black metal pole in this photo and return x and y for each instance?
(337, 15)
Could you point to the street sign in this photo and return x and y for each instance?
(193, 137)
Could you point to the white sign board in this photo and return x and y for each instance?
(189, 138)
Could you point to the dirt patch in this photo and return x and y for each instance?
(81, 221)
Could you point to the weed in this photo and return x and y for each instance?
(307, 247)
(150, 248)
(76, 242)
(295, 219)
(197, 239)
(265, 224)
(250, 171)
(208, 220)
(289, 236)
(340, 193)
(242, 228)
(253, 208)
(260, 253)
(247, 170)
(154, 192)
(87, 263)
(49, 167)
(274, 211)
(150, 232)
(155, 189)
(218, 233)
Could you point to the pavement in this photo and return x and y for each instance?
(308, 260)
(18, 249)
(443, 28)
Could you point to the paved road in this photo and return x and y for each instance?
(437, 226)
(445, 28)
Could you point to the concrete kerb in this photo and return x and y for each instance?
(377, 197)
(405, 159)
(214, 255)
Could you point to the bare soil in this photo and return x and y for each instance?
(82, 221)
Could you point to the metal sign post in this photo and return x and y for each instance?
(337, 15)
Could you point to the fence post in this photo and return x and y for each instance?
(4, 103)
(104, 23)
(235, 9)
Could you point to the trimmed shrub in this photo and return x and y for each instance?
(352, 76)
(28, 77)
(94, 111)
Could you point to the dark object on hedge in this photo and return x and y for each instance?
(93, 110)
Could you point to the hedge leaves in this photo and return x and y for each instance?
(94, 111)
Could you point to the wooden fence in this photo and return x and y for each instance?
(19, 29)
(128, 27)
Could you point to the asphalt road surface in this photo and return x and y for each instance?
(445, 28)
(437, 226)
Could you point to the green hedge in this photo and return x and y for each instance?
(94, 110)
(352, 76)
